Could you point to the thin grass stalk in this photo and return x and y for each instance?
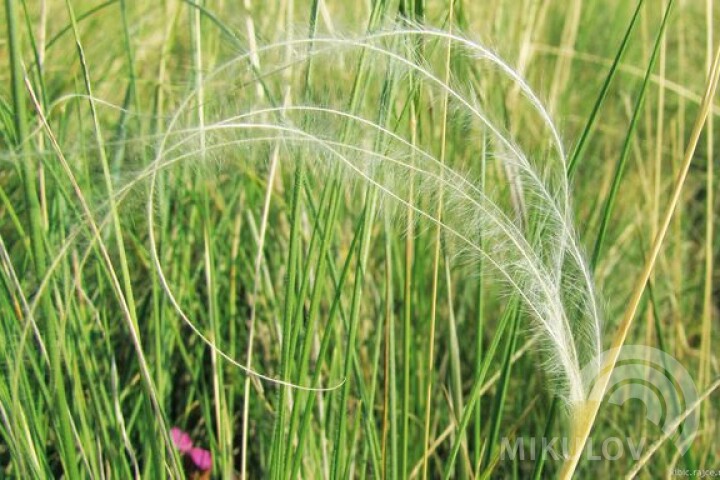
(375, 448)
(391, 405)
(480, 319)
(707, 314)
(498, 404)
(37, 236)
(38, 50)
(622, 161)
(290, 304)
(335, 311)
(253, 307)
(670, 430)
(456, 396)
(159, 325)
(115, 283)
(436, 257)
(370, 202)
(407, 307)
(412, 10)
(325, 215)
(322, 229)
(368, 214)
(480, 387)
(579, 149)
(117, 229)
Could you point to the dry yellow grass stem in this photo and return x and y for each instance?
(585, 413)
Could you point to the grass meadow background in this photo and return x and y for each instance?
(169, 221)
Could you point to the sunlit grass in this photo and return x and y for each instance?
(349, 240)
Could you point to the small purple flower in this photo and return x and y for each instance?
(201, 458)
(181, 440)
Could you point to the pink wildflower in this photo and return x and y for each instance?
(201, 458)
(181, 440)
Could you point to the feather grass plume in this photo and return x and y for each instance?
(523, 215)
(533, 250)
